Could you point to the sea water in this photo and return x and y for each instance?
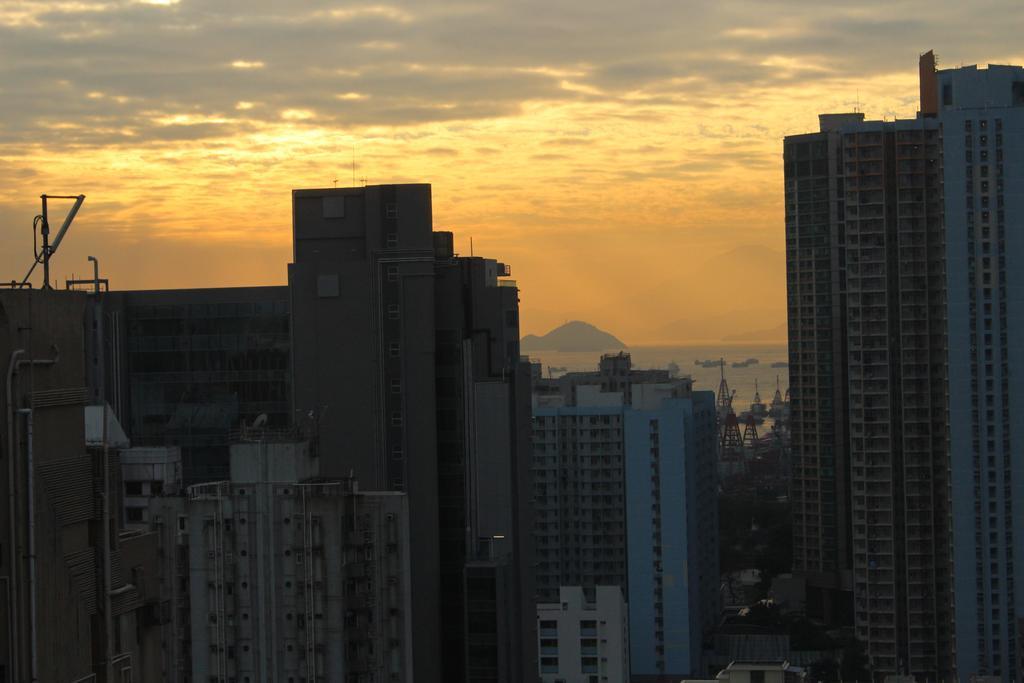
(741, 380)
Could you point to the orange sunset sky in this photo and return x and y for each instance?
(623, 157)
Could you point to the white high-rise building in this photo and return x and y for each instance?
(905, 267)
(584, 640)
(981, 111)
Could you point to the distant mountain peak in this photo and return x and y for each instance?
(575, 335)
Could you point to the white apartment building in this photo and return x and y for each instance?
(583, 640)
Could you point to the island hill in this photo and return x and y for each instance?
(572, 336)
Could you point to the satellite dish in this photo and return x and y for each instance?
(260, 421)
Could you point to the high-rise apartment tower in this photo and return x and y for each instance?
(864, 215)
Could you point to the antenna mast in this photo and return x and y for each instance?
(48, 250)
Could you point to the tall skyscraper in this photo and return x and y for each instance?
(899, 467)
(625, 488)
(816, 304)
(484, 434)
(407, 356)
(918, 216)
(873, 189)
(881, 192)
(981, 112)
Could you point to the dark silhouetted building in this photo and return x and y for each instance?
(68, 610)
(816, 290)
(901, 246)
(865, 253)
(407, 358)
(186, 367)
(914, 217)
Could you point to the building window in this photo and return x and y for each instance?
(334, 207)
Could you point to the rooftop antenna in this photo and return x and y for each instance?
(335, 183)
(856, 108)
(471, 246)
(42, 221)
(353, 165)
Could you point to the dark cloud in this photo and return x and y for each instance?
(122, 71)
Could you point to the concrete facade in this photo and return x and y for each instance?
(982, 116)
(926, 209)
(68, 609)
(626, 495)
(147, 473)
(484, 435)
(297, 579)
(672, 551)
(778, 671)
(819, 420)
(882, 188)
(582, 640)
(407, 357)
(362, 301)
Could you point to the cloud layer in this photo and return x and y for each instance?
(598, 146)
